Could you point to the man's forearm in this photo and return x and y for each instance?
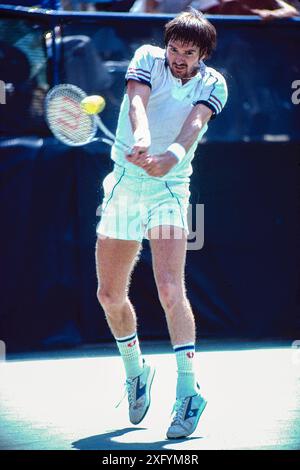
(138, 117)
(189, 133)
(192, 126)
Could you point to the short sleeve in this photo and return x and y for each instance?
(214, 93)
(141, 66)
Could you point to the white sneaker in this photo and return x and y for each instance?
(187, 412)
(138, 390)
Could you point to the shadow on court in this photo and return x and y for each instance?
(106, 441)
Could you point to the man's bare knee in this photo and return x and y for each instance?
(170, 295)
(109, 299)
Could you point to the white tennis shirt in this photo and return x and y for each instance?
(169, 105)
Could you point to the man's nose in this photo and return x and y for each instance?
(179, 58)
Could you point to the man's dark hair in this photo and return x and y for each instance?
(191, 27)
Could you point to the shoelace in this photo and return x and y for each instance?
(179, 409)
(128, 390)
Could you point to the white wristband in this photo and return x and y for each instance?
(178, 150)
(142, 134)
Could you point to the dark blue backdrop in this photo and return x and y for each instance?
(243, 283)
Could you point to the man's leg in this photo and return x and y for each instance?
(115, 261)
(168, 258)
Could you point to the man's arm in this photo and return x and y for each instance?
(283, 10)
(160, 165)
(192, 126)
(138, 94)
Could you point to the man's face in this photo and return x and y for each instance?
(183, 58)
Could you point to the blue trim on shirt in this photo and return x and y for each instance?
(140, 80)
(209, 105)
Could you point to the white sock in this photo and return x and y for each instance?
(186, 380)
(131, 354)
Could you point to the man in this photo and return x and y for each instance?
(170, 97)
(266, 9)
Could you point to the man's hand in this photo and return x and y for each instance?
(159, 165)
(140, 148)
(139, 151)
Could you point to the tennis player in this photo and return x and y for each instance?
(170, 98)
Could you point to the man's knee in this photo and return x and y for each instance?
(170, 294)
(109, 299)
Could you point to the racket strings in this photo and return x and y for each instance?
(68, 122)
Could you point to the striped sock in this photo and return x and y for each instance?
(129, 348)
(186, 381)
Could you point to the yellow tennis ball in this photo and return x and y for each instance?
(93, 104)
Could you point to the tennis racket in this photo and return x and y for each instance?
(70, 124)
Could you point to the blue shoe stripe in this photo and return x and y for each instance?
(194, 412)
(140, 390)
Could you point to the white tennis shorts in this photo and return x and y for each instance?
(132, 205)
